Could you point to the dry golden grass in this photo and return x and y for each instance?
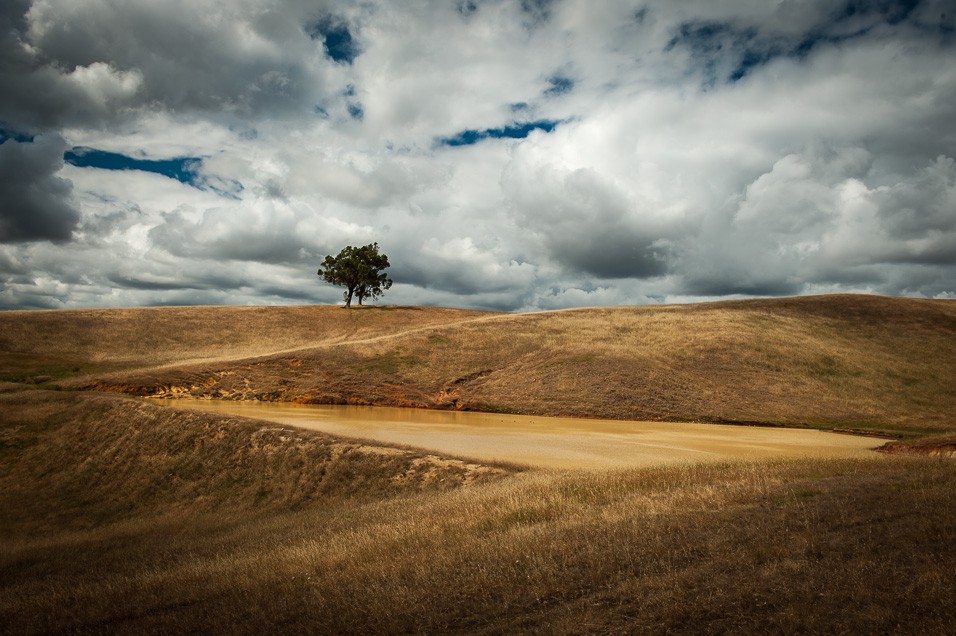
(115, 534)
(98, 458)
(120, 516)
(884, 365)
(66, 343)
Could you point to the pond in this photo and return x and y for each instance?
(548, 442)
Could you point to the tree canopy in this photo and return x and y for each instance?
(359, 270)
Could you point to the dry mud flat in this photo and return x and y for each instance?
(549, 442)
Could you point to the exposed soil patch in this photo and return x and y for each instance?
(928, 448)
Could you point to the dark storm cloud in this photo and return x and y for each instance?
(128, 282)
(288, 292)
(588, 225)
(447, 277)
(745, 286)
(32, 95)
(920, 216)
(15, 135)
(13, 20)
(611, 252)
(28, 301)
(35, 204)
(196, 280)
(90, 63)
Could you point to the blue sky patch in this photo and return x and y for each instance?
(511, 131)
(715, 44)
(356, 111)
(15, 135)
(728, 52)
(537, 10)
(183, 169)
(753, 57)
(559, 84)
(467, 7)
(892, 11)
(336, 38)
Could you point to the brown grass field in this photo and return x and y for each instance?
(120, 516)
(885, 365)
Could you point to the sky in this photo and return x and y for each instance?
(512, 155)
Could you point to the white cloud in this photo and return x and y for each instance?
(702, 149)
(103, 85)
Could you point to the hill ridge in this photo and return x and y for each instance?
(877, 364)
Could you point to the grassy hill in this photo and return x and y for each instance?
(122, 516)
(41, 345)
(870, 363)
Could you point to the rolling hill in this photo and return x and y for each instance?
(878, 364)
(123, 516)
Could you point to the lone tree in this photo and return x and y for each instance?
(359, 270)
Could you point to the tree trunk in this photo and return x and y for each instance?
(348, 299)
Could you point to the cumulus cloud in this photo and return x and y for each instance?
(910, 221)
(101, 62)
(505, 153)
(35, 203)
(588, 224)
(459, 266)
(267, 231)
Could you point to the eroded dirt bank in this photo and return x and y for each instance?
(928, 448)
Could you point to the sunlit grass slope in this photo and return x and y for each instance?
(79, 459)
(121, 516)
(64, 343)
(125, 517)
(860, 362)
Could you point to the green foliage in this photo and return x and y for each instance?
(359, 270)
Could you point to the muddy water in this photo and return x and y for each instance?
(548, 441)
